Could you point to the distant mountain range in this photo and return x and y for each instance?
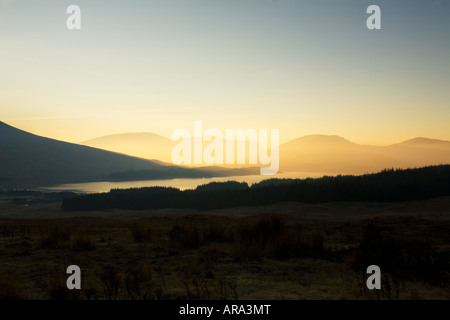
(335, 155)
(322, 154)
(28, 160)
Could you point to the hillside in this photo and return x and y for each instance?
(28, 160)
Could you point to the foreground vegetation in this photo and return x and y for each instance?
(287, 251)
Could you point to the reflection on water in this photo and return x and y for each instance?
(182, 184)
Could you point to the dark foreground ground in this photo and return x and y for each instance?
(282, 251)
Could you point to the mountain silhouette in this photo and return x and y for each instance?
(146, 145)
(320, 140)
(336, 155)
(28, 160)
(319, 154)
(424, 142)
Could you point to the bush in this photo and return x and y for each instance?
(54, 237)
(271, 238)
(404, 260)
(250, 240)
(111, 282)
(216, 233)
(187, 236)
(141, 234)
(135, 283)
(9, 290)
(138, 282)
(81, 244)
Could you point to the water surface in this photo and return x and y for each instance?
(182, 184)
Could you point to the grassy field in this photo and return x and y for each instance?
(282, 251)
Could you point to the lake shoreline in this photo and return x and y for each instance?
(179, 183)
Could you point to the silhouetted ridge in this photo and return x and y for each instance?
(423, 142)
(320, 140)
(28, 160)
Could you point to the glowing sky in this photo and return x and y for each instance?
(303, 67)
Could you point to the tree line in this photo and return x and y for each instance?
(386, 186)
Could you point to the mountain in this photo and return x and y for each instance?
(336, 155)
(144, 145)
(320, 140)
(423, 142)
(329, 155)
(28, 160)
(319, 154)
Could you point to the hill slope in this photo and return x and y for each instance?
(28, 160)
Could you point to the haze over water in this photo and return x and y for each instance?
(182, 184)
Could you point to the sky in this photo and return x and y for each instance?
(303, 67)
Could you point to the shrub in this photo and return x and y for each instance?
(138, 282)
(111, 282)
(187, 236)
(81, 244)
(216, 233)
(55, 236)
(404, 260)
(9, 290)
(141, 234)
(250, 240)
